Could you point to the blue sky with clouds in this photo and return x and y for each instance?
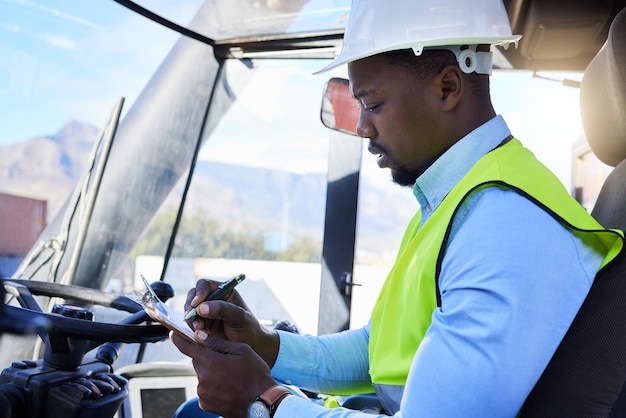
(58, 65)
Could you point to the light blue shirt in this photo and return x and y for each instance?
(511, 282)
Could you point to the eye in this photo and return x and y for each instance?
(369, 107)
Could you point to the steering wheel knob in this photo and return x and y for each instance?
(71, 311)
(163, 290)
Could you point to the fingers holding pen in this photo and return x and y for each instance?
(207, 290)
(221, 312)
(213, 290)
(223, 318)
(198, 294)
(201, 323)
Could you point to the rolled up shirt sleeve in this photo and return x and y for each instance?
(331, 364)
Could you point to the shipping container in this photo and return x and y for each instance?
(22, 219)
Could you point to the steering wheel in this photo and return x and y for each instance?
(29, 311)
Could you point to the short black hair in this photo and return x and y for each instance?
(432, 62)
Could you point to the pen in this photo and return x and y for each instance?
(222, 290)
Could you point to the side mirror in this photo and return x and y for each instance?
(340, 111)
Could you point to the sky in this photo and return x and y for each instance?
(59, 66)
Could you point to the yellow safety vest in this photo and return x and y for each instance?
(403, 311)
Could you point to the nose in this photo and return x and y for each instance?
(364, 127)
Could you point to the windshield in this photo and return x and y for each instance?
(256, 202)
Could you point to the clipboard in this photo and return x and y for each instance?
(165, 315)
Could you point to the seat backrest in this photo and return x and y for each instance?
(586, 375)
(603, 111)
(603, 97)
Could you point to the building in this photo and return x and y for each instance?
(22, 220)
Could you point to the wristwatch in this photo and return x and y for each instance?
(265, 405)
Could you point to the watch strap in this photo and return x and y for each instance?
(273, 396)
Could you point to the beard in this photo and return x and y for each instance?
(404, 176)
(400, 174)
(407, 176)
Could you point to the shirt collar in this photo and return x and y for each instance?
(437, 181)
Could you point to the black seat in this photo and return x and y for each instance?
(586, 376)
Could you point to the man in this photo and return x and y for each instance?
(490, 273)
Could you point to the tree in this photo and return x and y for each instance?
(201, 236)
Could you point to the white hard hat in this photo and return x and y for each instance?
(377, 26)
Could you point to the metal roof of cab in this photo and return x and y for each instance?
(557, 34)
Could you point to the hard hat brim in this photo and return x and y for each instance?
(344, 58)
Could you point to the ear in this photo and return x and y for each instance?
(451, 82)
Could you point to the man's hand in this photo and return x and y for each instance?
(230, 374)
(230, 319)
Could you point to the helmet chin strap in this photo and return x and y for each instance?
(468, 58)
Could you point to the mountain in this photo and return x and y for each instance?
(265, 193)
(48, 167)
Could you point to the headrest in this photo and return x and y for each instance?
(603, 96)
